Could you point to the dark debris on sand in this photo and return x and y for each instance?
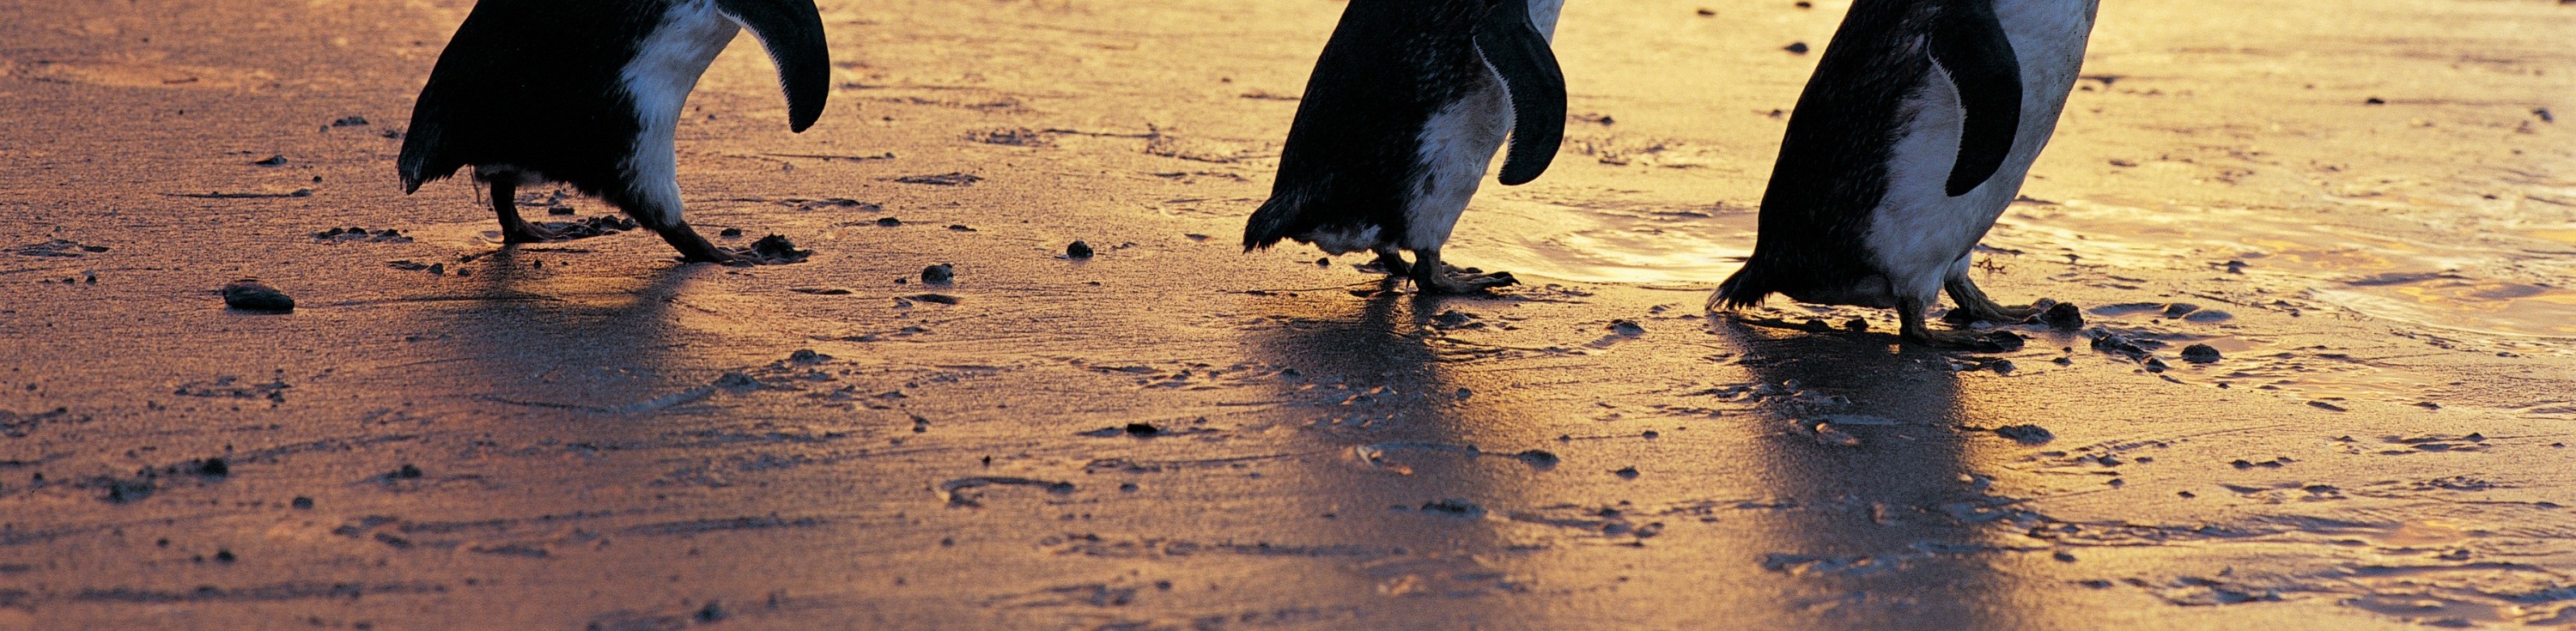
(943, 179)
(249, 294)
(2026, 434)
(2200, 354)
(57, 248)
(345, 235)
(770, 250)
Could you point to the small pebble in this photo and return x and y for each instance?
(939, 274)
(1077, 250)
(1798, 48)
(729, 232)
(249, 294)
(2200, 354)
(1626, 472)
(2063, 316)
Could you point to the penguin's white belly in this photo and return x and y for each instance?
(1918, 232)
(1456, 146)
(665, 69)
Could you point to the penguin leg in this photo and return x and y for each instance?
(1391, 259)
(1909, 314)
(505, 202)
(1434, 277)
(1974, 306)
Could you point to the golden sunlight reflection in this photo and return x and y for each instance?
(1605, 242)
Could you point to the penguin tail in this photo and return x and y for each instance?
(1273, 220)
(1744, 289)
(417, 154)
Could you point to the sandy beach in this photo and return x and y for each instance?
(2367, 208)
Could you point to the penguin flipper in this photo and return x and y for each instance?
(1518, 52)
(792, 32)
(1970, 46)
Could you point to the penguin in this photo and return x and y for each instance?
(1400, 120)
(588, 93)
(1912, 136)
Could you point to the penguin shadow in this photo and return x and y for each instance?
(1409, 478)
(545, 338)
(1879, 503)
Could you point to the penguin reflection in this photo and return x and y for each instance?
(588, 93)
(1400, 120)
(1913, 135)
(1872, 517)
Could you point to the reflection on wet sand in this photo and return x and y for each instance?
(1411, 478)
(1878, 504)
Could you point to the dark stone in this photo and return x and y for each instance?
(2063, 316)
(939, 274)
(249, 294)
(1537, 458)
(776, 249)
(1077, 250)
(2200, 354)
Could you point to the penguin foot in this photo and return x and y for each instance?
(1909, 315)
(1979, 341)
(1991, 312)
(525, 232)
(1430, 276)
(693, 248)
(1975, 307)
(1451, 280)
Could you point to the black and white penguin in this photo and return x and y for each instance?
(1915, 132)
(1403, 114)
(588, 93)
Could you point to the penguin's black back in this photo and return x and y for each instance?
(1353, 153)
(533, 84)
(1832, 169)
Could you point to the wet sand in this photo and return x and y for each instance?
(2363, 210)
